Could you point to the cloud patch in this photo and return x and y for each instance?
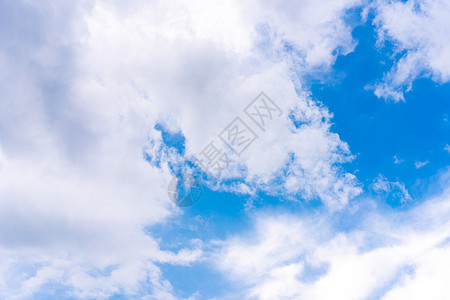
(419, 31)
(285, 256)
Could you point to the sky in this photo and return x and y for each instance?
(225, 149)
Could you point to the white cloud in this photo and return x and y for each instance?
(395, 189)
(197, 82)
(403, 255)
(419, 31)
(381, 183)
(420, 164)
(82, 86)
(75, 193)
(397, 160)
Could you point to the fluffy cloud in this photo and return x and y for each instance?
(197, 81)
(75, 192)
(419, 31)
(82, 87)
(403, 255)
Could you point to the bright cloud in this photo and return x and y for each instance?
(396, 190)
(385, 255)
(82, 88)
(84, 168)
(419, 31)
(420, 164)
(197, 82)
(75, 191)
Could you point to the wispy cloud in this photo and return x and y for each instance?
(396, 189)
(419, 32)
(447, 148)
(308, 257)
(397, 160)
(420, 164)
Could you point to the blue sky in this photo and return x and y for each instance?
(416, 130)
(343, 192)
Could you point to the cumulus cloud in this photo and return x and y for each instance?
(419, 31)
(83, 86)
(232, 70)
(75, 192)
(286, 256)
(197, 82)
